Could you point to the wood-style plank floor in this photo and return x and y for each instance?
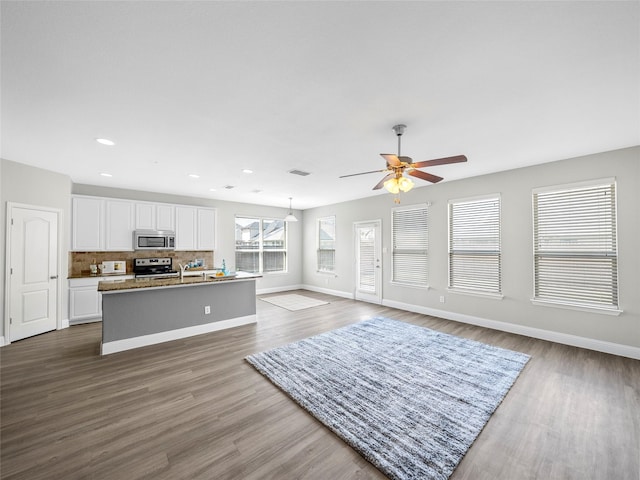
(194, 409)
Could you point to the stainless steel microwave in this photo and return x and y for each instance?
(154, 240)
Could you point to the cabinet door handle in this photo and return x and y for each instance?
(53, 277)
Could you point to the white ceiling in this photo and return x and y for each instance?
(215, 87)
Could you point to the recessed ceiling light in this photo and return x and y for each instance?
(105, 174)
(246, 170)
(194, 175)
(212, 189)
(105, 141)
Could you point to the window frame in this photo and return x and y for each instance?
(319, 248)
(474, 251)
(261, 250)
(413, 252)
(575, 255)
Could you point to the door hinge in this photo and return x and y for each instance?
(12, 221)
(10, 321)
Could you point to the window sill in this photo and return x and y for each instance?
(581, 308)
(476, 293)
(410, 285)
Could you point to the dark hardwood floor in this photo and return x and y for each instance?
(194, 409)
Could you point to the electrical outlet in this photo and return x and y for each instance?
(207, 309)
(441, 298)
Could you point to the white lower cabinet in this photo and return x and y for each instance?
(85, 302)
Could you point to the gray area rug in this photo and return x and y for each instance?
(410, 400)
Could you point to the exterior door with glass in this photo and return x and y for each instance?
(368, 261)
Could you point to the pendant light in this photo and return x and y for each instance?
(290, 217)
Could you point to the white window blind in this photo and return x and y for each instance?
(575, 252)
(327, 244)
(366, 259)
(474, 245)
(410, 245)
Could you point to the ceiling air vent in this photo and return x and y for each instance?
(229, 187)
(299, 172)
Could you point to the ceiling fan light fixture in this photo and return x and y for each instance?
(405, 184)
(392, 185)
(290, 216)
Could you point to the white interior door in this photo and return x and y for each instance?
(368, 261)
(33, 272)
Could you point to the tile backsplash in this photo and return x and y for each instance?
(79, 262)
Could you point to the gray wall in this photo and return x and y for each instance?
(41, 188)
(515, 188)
(225, 229)
(24, 184)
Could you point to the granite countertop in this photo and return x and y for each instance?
(87, 274)
(135, 283)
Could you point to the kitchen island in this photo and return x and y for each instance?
(145, 311)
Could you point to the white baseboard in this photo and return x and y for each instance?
(2, 341)
(286, 288)
(161, 337)
(335, 293)
(557, 337)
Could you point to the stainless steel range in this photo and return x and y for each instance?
(154, 267)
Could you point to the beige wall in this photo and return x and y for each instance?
(515, 311)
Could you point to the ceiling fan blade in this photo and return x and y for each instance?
(381, 182)
(362, 173)
(439, 161)
(406, 159)
(391, 159)
(425, 176)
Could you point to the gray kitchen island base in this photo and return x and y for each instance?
(146, 316)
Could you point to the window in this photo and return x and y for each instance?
(261, 245)
(575, 253)
(327, 244)
(474, 245)
(409, 245)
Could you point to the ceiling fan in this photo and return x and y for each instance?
(395, 181)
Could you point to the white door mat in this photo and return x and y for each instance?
(293, 301)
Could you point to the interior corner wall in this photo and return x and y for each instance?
(515, 188)
(36, 187)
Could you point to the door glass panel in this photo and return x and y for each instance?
(366, 260)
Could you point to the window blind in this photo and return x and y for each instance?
(326, 244)
(410, 245)
(575, 246)
(366, 259)
(474, 245)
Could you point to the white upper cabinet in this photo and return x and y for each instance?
(145, 216)
(88, 225)
(185, 228)
(107, 224)
(165, 217)
(206, 229)
(154, 216)
(119, 225)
